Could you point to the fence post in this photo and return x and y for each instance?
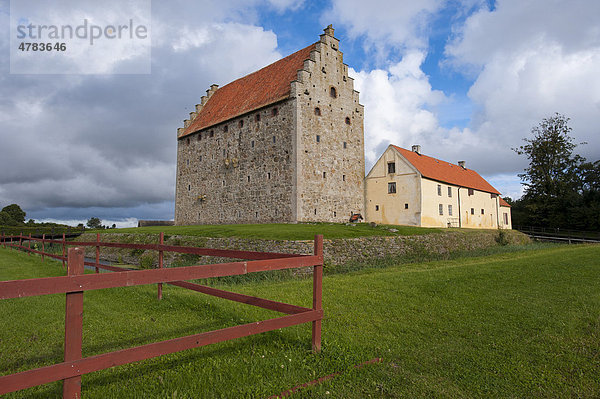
(43, 245)
(73, 323)
(97, 251)
(63, 250)
(21, 240)
(29, 245)
(317, 294)
(161, 241)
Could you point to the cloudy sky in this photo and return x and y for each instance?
(465, 79)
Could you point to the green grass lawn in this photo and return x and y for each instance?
(520, 324)
(281, 231)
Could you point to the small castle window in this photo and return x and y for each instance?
(188, 140)
(199, 136)
(333, 92)
(248, 179)
(242, 123)
(471, 191)
(225, 128)
(274, 139)
(334, 214)
(392, 188)
(343, 177)
(212, 133)
(317, 111)
(200, 158)
(345, 145)
(318, 138)
(315, 211)
(275, 111)
(391, 167)
(347, 120)
(187, 161)
(405, 206)
(376, 207)
(472, 211)
(257, 215)
(258, 117)
(252, 143)
(269, 175)
(189, 187)
(482, 211)
(324, 175)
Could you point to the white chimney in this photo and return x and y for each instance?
(417, 149)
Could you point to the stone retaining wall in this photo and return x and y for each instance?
(336, 251)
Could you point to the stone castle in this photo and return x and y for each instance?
(282, 144)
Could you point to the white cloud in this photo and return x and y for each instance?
(534, 58)
(385, 23)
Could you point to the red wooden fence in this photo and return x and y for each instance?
(75, 283)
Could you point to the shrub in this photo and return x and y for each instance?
(502, 238)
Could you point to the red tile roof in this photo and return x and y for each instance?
(258, 89)
(504, 203)
(446, 172)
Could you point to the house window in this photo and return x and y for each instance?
(450, 210)
(439, 190)
(317, 111)
(391, 167)
(275, 111)
(505, 218)
(347, 120)
(345, 145)
(225, 128)
(472, 211)
(318, 138)
(441, 209)
(392, 188)
(450, 192)
(471, 192)
(376, 207)
(257, 117)
(242, 123)
(324, 175)
(482, 211)
(274, 139)
(405, 206)
(333, 92)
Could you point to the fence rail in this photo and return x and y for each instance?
(75, 283)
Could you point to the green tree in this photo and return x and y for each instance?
(94, 223)
(6, 220)
(561, 189)
(15, 212)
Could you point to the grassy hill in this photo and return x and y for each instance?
(520, 324)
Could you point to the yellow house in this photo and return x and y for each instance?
(408, 188)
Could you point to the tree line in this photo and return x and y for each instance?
(562, 189)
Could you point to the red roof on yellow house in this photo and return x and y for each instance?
(446, 172)
(504, 203)
(256, 90)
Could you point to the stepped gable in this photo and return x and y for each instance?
(256, 90)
